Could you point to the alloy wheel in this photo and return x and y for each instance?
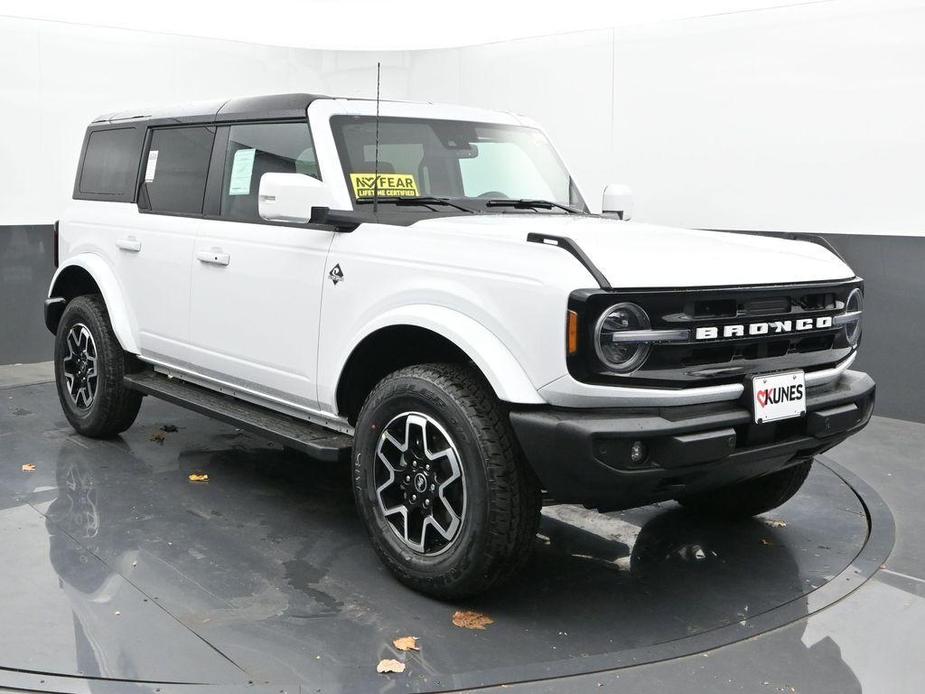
(420, 484)
(79, 366)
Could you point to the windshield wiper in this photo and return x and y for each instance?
(416, 200)
(526, 204)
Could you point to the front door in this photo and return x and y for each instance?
(256, 287)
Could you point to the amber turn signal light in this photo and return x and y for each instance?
(572, 332)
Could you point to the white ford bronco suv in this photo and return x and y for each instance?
(421, 290)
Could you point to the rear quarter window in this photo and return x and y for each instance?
(110, 164)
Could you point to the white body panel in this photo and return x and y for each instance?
(635, 255)
(254, 322)
(149, 255)
(121, 316)
(161, 263)
(251, 306)
(515, 291)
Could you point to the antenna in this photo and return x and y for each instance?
(376, 171)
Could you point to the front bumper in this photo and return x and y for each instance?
(583, 456)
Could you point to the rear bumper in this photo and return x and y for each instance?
(583, 455)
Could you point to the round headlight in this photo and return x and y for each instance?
(854, 305)
(615, 347)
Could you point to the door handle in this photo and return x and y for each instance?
(213, 257)
(131, 244)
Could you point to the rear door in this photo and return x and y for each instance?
(256, 287)
(154, 253)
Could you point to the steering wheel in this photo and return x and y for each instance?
(494, 194)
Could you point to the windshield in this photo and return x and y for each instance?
(473, 163)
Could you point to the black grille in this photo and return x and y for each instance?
(721, 360)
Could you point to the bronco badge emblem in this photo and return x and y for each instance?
(336, 274)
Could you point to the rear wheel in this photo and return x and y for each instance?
(449, 504)
(751, 497)
(89, 366)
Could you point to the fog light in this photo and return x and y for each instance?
(638, 452)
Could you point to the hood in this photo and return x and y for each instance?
(637, 255)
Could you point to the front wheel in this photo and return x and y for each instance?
(751, 497)
(449, 504)
(89, 366)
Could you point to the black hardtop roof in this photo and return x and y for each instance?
(268, 107)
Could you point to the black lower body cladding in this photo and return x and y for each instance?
(622, 458)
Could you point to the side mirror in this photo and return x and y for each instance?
(290, 197)
(618, 201)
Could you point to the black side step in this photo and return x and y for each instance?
(314, 439)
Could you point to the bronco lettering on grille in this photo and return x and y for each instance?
(779, 327)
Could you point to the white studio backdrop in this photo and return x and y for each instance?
(362, 25)
(799, 118)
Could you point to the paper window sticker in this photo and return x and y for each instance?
(151, 167)
(241, 171)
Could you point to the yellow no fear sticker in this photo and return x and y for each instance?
(391, 185)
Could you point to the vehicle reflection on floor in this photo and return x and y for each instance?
(268, 565)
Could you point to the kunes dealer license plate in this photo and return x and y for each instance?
(778, 396)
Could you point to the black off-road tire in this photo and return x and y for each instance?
(751, 497)
(503, 495)
(114, 407)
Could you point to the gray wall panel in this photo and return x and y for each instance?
(892, 349)
(893, 341)
(26, 267)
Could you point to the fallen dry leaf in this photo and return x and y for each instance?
(471, 620)
(406, 643)
(28, 467)
(776, 523)
(198, 478)
(390, 665)
(158, 437)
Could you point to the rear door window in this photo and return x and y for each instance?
(258, 148)
(175, 169)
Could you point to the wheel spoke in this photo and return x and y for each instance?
(415, 434)
(446, 533)
(89, 393)
(73, 345)
(392, 471)
(391, 439)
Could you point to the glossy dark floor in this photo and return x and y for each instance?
(115, 566)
